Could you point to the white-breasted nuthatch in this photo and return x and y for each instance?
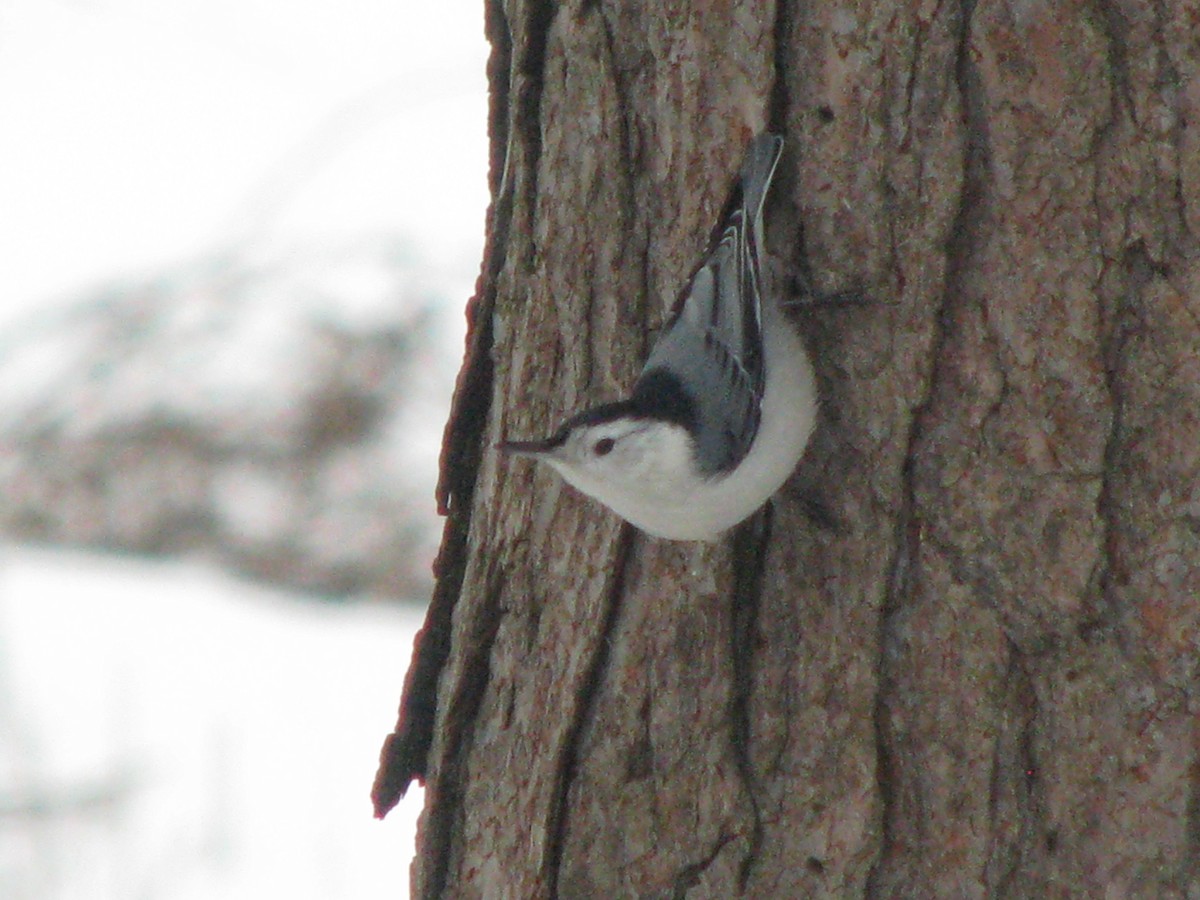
(726, 401)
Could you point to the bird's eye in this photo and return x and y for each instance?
(603, 446)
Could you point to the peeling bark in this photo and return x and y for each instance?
(982, 681)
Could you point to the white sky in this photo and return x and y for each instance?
(139, 133)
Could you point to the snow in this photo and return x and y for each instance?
(226, 734)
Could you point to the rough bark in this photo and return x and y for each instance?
(982, 680)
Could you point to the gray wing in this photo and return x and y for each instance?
(713, 342)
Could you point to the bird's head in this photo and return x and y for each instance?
(620, 456)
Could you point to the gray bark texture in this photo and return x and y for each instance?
(978, 680)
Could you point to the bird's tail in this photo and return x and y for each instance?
(761, 158)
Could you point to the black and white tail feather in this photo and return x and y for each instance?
(724, 405)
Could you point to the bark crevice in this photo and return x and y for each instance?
(1135, 267)
(1017, 819)
(749, 560)
(690, 877)
(591, 685)
(909, 528)
(444, 796)
(528, 74)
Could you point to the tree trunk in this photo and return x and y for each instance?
(980, 679)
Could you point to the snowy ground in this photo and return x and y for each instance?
(174, 733)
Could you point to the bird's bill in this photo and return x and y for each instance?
(528, 448)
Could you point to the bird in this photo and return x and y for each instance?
(725, 404)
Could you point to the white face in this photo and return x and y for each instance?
(629, 464)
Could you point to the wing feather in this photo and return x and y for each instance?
(713, 342)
